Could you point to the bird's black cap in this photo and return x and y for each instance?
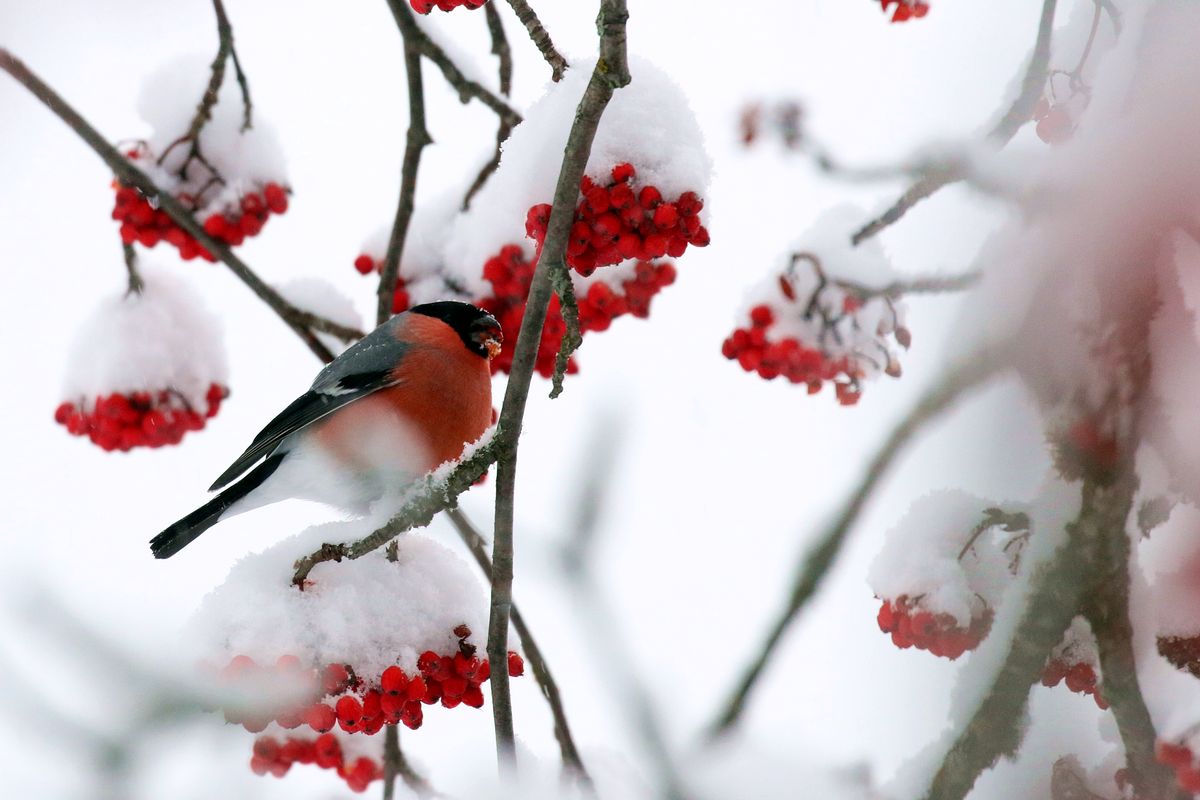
(478, 329)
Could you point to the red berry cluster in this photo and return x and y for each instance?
(510, 274)
(614, 223)
(147, 225)
(363, 706)
(276, 757)
(1180, 758)
(400, 300)
(905, 9)
(910, 626)
(1182, 651)
(140, 419)
(1080, 678)
(1054, 125)
(425, 6)
(790, 358)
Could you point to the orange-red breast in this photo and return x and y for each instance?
(389, 409)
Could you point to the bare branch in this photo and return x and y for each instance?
(395, 764)
(466, 88)
(611, 73)
(816, 563)
(533, 656)
(503, 52)
(130, 175)
(1002, 132)
(418, 137)
(540, 38)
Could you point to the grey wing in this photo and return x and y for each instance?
(362, 369)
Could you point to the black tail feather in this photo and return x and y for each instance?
(185, 531)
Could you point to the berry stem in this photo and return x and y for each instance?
(533, 654)
(815, 564)
(130, 175)
(1001, 134)
(418, 137)
(540, 38)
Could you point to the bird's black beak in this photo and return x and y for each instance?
(488, 336)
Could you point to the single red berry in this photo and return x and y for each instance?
(516, 665)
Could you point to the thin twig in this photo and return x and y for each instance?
(564, 287)
(423, 502)
(1057, 592)
(395, 764)
(1002, 132)
(136, 284)
(541, 38)
(503, 52)
(466, 88)
(611, 73)
(130, 175)
(418, 137)
(533, 656)
(816, 563)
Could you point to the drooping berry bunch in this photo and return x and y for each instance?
(905, 9)
(619, 221)
(783, 120)
(425, 6)
(940, 634)
(1054, 123)
(270, 755)
(813, 330)
(337, 696)
(1076, 663)
(752, 350)
(1180, 757)
(230, 218)
(139, 419)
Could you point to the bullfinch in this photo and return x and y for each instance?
(392, 407)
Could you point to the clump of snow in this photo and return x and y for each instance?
(648, 123)
(369, 612)
(160, 338)
(950, 552)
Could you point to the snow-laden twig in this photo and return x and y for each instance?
(136, 284)
(502, 51)
(418, 137)
(466, 88)
(132, 176)
(1002, 132)
(611, 73)
(533, 656)
(1057, 592)
(540, 38)
(816, 562)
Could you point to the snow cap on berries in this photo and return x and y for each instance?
(162, 338)
(648, 124)
(369, 612)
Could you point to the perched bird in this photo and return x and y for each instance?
(395, 405)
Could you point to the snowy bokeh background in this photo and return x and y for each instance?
(718, 479)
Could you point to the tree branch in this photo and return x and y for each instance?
(395, 764)
(816, 563)
(1057, 592)
(503, 52)
(533, 655)
(136, 284)
(466, 88)
(130, 175)
(430, 495)
(611, 73)
(418, 137)
(540, 38)
(1002, 132)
